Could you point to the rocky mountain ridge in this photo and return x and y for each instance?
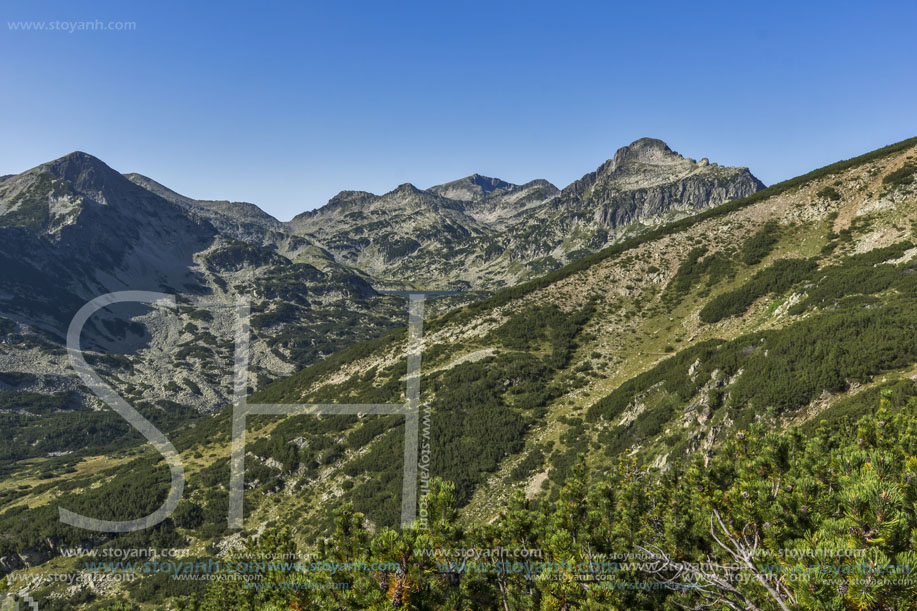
(482, 232)
(74, 228)
(654, 349)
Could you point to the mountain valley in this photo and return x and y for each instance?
(635, 326)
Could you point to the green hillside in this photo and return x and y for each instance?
(722, 390)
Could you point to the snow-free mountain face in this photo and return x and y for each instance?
(652, 357)
(74, 228)
(483, 233)
(240, 220)
(793, 306)
(472, 188)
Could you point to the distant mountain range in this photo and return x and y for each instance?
(480, 232)
(792, 306)
(475, 232)
(74, 228)
(681, 318)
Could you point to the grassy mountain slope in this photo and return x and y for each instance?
(793, 306)
(657, 353)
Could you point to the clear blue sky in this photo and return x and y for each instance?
(284, 104)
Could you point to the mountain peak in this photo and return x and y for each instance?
(649, 144)
(406, 189)
(77, 159)
(471, 188)
(644, 150)
(84, 171)
(344, 201)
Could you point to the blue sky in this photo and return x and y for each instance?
(285, 104)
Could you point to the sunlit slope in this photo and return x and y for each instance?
(773, 307)
(787, 307)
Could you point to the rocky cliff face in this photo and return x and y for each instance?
(482, 233)
(661, 180)
(74, 228)
(644, 185)
(665, 365)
